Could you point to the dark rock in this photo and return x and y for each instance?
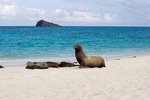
(36, 65)
(52, 64)
(66, 64)
(117, 59)
(1, 66)
(45, 23)
(134, 56)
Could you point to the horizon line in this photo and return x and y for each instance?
(79, 26)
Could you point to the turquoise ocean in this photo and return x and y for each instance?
(18, 43)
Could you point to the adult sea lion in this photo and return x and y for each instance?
(52, 64)
(87, 61)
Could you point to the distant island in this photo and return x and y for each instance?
(43, 23)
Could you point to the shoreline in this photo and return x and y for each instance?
(22, 61)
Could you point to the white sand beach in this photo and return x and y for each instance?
(124, 79)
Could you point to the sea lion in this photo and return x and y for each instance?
(87, 61)
(36, 65)
(67, 64)
(52, 64)
(1, 66)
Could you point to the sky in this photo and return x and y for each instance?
(75, 12)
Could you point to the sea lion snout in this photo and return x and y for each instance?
(74, 46)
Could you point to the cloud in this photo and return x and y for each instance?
(118, 12)
(32, 13)
(84, 16)
(95, 12)
(7, 10)
(10, 11)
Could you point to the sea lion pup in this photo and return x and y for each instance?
(36, 65)
(67, 64)
(87, 61)
(52, 64)
(1, 66)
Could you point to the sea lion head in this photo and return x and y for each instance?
(29, 63)
(77, 47)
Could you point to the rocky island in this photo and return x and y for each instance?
(43, 23)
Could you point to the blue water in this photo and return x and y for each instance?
(40, 42)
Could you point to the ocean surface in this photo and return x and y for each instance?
(55, 43)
